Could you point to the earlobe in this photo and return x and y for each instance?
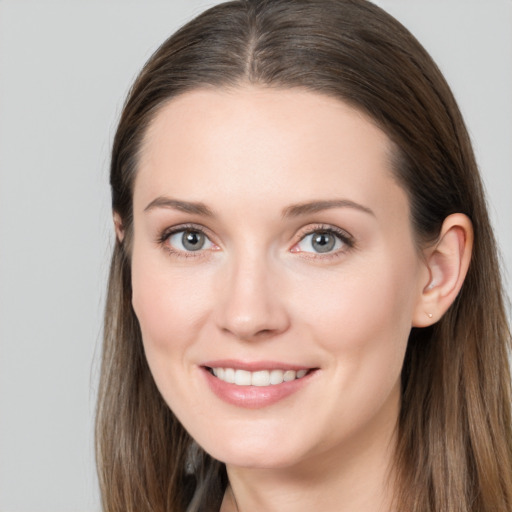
(118, 226)
(447, 264)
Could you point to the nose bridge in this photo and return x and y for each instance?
(251, 303)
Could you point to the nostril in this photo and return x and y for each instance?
(264, 332)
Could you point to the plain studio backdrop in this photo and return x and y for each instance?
(65, 68)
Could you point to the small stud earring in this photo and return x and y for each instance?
(429, 315)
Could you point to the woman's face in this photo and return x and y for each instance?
(273, 247)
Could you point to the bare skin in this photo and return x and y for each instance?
(268, 227)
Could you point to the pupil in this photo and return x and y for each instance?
(192, 240)
(323, 242)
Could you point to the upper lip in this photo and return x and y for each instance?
(253, 366)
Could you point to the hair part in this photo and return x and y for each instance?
(454, 450)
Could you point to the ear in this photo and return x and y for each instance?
(447, 264)
(118, 226)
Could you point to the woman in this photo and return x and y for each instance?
(305, 307)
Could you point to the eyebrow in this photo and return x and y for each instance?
(294, 210)
(183, 206)
(317, 206)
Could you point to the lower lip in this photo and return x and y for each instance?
(254, 397)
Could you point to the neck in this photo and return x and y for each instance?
(339, 481)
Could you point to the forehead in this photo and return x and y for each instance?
(253, 142)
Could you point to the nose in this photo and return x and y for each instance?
(251, 304)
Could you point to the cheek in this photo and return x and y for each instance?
(364, 317)
(171, 310)
(170, 306)
(362, 323)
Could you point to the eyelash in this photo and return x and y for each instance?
(347, 240)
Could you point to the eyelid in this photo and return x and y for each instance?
(171, 230)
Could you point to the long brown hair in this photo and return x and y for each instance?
(454, 450)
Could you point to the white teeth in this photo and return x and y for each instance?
(289, 375)
(276, 376)
(242, 378)
(229, 375)
(259, 378)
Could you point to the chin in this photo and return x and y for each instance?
(259, 452)
(256, 460)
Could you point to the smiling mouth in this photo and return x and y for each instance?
(258, 378)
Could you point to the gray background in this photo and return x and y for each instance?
(65, 67)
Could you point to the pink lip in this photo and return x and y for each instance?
(253, 397)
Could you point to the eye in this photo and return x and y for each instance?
(189, 240)
(322, 241)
